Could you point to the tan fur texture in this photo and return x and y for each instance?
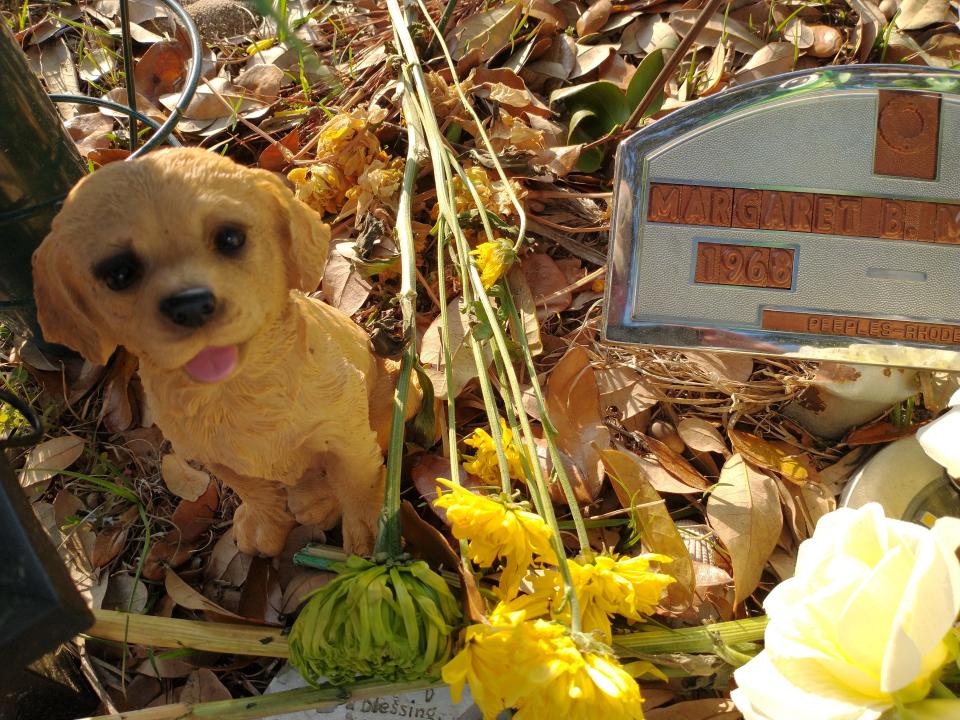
(298, 429)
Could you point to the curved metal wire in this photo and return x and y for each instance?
(162, 132)
(36, 426)
(118, 107)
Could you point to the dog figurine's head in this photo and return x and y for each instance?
(181, 257)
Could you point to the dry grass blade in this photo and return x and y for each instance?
(165, 632)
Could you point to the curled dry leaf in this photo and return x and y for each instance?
(700, 435)
(723, 368)
(261, 598)
(869, 26)
(706, 709)
(718, 27)
(161, 68)
(744, 511)
(657, 530)
(594, 18)
(777, 456)
(182, 479)
(772, 59)
(676, 464)
(827, 41)
(344, 287)
(646, 34)
(203, 686)
(917, 14)
(50, 457)
(185, 596)
(432, 353)
(573, 404)
(126, 593)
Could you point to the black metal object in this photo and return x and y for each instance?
(39, 606)
(39, 163)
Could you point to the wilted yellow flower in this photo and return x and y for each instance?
(549, 675)
(492, 193)
(609, 585)
(321, 186)
(493, 259)
(484, 463)
(497, 529)
(379, 184)
(345, 150)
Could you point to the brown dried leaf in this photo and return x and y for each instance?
(777, 456)
(109, 544)
(917, 14)
(523, 300)
(676, 464)
(590, 57)
(723, 368)
(182, 479)
(274, 157)
(657, 529)
(303, 582)
(485, 33)
(261, 598)
(50, 457)
(433, 357)
(646, 34)
(869, 26)
(706, 709)
(700, 435)
(126, 593)
(744, 40)
(194, 517)
(424, 541)
(772, 59)
(118, 410)
(744, 510)
(547, 284)
(344, 287)
(203, 686)
(425, 471)
(161, 68)
(573, 404)
(594, 18)
(185, 596)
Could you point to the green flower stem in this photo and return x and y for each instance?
(690, 640)
(940, 690)
(388, 539)
(549, 432)
(441, 162)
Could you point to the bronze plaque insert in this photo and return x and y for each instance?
(861, 327)
(908, 134)
(744, 265)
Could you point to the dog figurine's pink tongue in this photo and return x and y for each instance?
(213, 364)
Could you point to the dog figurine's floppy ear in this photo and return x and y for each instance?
(306, 238)
(67, 315)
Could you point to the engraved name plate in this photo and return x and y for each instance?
(812, 215)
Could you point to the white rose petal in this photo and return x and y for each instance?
(939, 440)
(797, 691)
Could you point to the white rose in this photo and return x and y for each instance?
(861, 625)
(940, 438)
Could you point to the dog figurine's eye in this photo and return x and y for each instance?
(120, 271)
(229, 240)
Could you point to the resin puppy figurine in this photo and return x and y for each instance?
(198, 266)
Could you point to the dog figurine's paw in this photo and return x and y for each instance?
(259, 533)
(359, 532)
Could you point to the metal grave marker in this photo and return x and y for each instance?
(812, 215)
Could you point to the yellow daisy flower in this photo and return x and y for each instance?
(493, 259)
(610, 585)
(496, 529)
(549, 675)
(484, 463)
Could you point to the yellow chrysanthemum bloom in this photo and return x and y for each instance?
(497, 529)
(609, 585)
(493, 194)
(493, 259)
(379, 184)
(549, 675)
(484, 463)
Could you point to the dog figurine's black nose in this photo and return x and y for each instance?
(190, 308)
